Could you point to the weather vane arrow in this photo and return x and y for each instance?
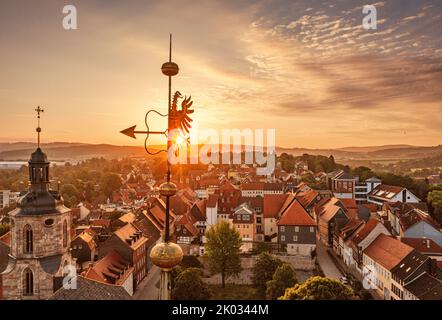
(178, 126)
(131, 132)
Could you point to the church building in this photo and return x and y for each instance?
(39, 257)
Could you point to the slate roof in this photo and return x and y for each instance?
(51, 264)
(91, 290)
(425, 287)
(148, 227)
(407, 266)
(198, 210)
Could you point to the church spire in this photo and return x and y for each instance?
(38, 110)
(39, 164)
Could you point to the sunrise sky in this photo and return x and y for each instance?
(306, 68)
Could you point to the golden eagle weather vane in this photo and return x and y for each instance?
(167, 254)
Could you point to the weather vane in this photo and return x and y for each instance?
(179, 121)
(38, 110)
(166, 255)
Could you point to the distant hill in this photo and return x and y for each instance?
(376, 148)
(63, 151)
(381, 152)
(69, 151)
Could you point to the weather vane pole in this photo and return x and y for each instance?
(38, 110)
(167, 254)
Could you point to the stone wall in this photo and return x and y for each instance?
(299, 262)
(47, 240)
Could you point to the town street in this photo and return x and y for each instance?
(147, 289)
(326, 262)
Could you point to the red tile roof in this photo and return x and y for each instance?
(253, 186)
(388, 192)
(88, 238)
(199, 210)
(351, 227)
(296, 215)
(227, 186)
(349, 203)
(365, 231)
(6, 238)
(158, 214)
(388, 251)
(307, 196)
(328, 209)
(273, 186)
(129, 231)
(423, 245)
(273, 204)
(212, 201)
(187, 221)
(112, 269)
(105, 223)
(414, 216)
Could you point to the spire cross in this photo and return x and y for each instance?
(38, 110)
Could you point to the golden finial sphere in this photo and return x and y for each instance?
(168, 189)
(170, 69)
(166, 255)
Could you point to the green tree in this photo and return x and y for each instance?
(319, 288)
(435, 200)
(110, 182)
(223, 250)
(283, 278)
(190, 286)
(4, 228)
(174, 273)
(263, 270)
(262, 247)
(363, 173)
(69, 191)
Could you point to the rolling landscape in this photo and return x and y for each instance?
(399, 158)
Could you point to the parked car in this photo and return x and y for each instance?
(344, 280)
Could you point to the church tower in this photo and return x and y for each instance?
(40, 237)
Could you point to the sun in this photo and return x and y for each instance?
(180, 141)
